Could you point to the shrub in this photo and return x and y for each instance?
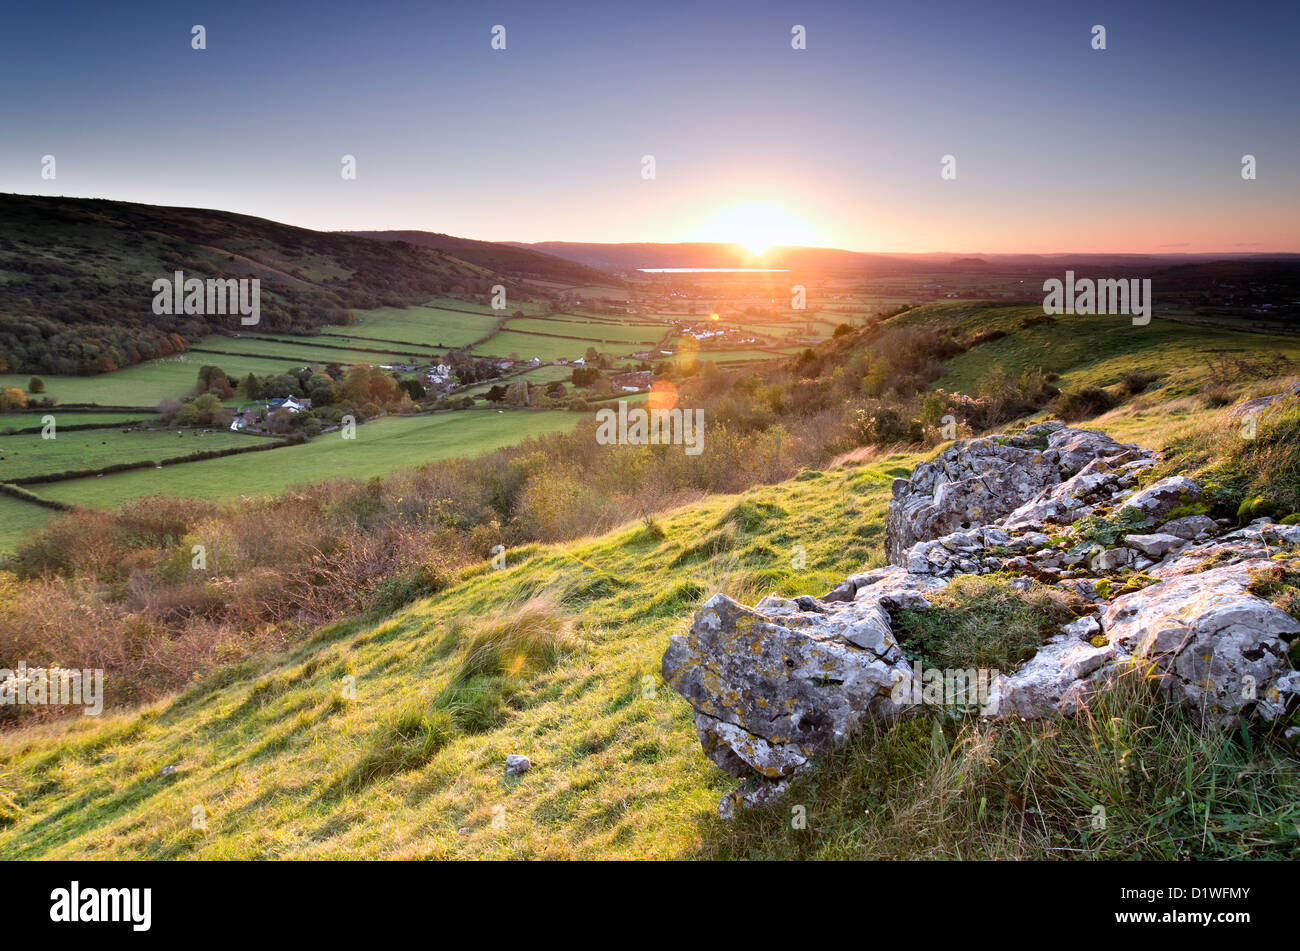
(1135, 382)
(1085, 403)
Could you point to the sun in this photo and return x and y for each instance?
(757, 226)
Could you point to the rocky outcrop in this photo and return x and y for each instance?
(977, 482)
(774, 685)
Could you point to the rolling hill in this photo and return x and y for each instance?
(76, 276)
(504, 258)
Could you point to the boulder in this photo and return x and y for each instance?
(1160, 498)
(1154, 546)
(1263, 404)
(1190, 526)
(1215, 644)
(775, 684)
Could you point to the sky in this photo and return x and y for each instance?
(1058, 147)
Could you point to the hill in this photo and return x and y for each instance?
(76, 278)
(504, 258)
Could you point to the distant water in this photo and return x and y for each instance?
(713, 270)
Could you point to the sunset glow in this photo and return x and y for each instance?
(758, 225)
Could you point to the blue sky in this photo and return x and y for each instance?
(1058, 147)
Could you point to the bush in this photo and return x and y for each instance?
(1084, 404)
(1135, 382)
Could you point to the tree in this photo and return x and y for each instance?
(187, 415)
(496, 394)
(281, 385)
(213, 380)
(168, 409)
(12, 398)
(249, 387)
(208, 405)
(412, 388)
(592, 355)
(36, 385)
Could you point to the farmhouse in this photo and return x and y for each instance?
(631, 382)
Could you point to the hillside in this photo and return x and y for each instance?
(385, 735)
(76, 278)
(501, 257)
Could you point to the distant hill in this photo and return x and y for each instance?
(512, 259)
(830, 261)
(629, 257)
(76, 278)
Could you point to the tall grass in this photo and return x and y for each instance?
(1132, 777)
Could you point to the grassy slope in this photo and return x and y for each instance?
(614, 773)
(1090, 350)
(617, 768)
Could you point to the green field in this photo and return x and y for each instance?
(17, 519)
(600, 332)
(1092, 351)
(379, 448)
(727, 355)
(30, 455)
(309, 351)
(67, 418)
(146, 384)
(526, 346)
(426, 325)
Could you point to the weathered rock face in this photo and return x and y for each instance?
(976, 482)
(1214, 643)
(774, 685)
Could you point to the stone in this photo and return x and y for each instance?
(517, 764)
(1112, 559)
(1154, 546)
(775, 685)
(978, 481)
(772, 686)
(1264, 404)
(1189, 526)
(1084, 628)
(1160, 498)
(1206, 634)
(1053, 681)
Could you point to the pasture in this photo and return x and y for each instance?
(379, 448)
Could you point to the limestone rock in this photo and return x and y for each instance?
(1154, 546)
(1189, 526)
(775, 684)
(1217, 645)
(978, 481)
(1160, 498)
